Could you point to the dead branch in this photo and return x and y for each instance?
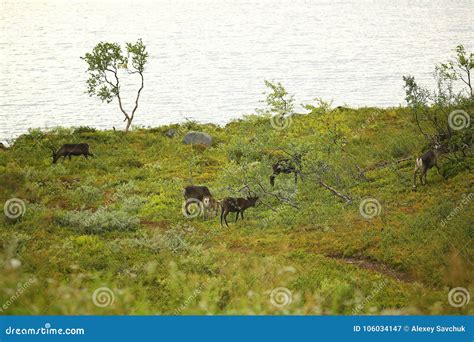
(385, 163)
(278, 197)
(269, 206)
(334, 191)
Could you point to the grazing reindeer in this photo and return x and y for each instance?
(286, 166)
(195, 192)
(211, 206)
(68, 150)
(425, 162)
(236, 205)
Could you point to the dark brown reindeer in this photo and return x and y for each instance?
(195, 192)
(286, 166)
(68, 150)
(425, 162)
(236, 205)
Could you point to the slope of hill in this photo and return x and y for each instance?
(108, 235)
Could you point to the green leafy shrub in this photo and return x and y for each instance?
(84, 129)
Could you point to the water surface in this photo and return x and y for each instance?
(208, 59)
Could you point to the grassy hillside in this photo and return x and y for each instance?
(116, 221)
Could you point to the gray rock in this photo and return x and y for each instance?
(197, 138)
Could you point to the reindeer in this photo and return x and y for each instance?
(195, 192)
(286, 166)
(236, 205)
(211, 206)
(68, 150)
(425, 162)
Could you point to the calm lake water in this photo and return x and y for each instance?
(208, 59)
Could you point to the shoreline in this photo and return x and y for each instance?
(5, 139)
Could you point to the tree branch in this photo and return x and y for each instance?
(334, 191)
(281, 199)
(385, 163)
(138, 96)
(127, 117)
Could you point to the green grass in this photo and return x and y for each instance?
(115, 221)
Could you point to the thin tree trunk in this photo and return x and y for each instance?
(129, 123)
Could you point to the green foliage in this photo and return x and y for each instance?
(104, 65)
(101, 221)
(136, 52)
(107, 221)
(433, 110)
(105, 58)
(458, 68)
(278, 101)
(84, 129)
(322, 107)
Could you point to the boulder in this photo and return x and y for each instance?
(197, 138)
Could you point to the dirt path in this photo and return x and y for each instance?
(374, 266)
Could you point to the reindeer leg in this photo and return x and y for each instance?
(225, 219)
(236, 216)
(222, 215)
(414, 178)
(272, 180)
(242, 214)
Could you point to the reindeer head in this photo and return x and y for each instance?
(206, 201)
(440, 148)
(54, 154)
(252, 200)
